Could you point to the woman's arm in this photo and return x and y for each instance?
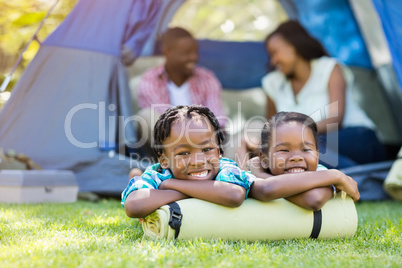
(337, 100)
(287, 185)
(219, 192)
(142, 202)
(271, 108)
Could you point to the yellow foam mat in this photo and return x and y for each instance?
(393, 182)
(253, 220)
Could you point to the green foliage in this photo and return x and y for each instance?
(28, 19)
(100, 235)
(19, 20)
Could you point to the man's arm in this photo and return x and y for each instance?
(286, 185)
(142, 202)
(213, 89)
(219, 192)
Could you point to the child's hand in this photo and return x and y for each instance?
(347, 184)
(254, 165)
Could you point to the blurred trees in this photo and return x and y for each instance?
(228, 20)
(19, 19)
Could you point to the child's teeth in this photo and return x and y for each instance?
(199, 174)
(295, 170)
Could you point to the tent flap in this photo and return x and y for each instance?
(333, 23)
(238, 65)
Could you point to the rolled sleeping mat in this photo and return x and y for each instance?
(393, 182)
(253, 220)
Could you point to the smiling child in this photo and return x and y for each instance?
(289, 153)
(188, 141)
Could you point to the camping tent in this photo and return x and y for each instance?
(72, 104)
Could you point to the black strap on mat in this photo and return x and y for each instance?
(175, 218)
(316, 224)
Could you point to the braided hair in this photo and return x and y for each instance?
(283, 118)
(182, 112)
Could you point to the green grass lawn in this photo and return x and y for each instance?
(85, 234)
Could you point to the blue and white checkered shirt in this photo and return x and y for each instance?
(154, 175)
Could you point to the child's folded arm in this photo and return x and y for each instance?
(219, 192)
(313, 199)
(142, 202)
(286, 185)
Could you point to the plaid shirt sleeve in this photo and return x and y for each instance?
(152, 90)
(150, 179)
(230, 172)
(206, 90)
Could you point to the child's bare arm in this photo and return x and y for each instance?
(142, 202)
(287, 185)
(313, 199)
(219, 192)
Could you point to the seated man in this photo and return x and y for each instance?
(178, 82)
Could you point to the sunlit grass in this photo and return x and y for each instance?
(100, 235)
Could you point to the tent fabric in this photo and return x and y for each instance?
(390, 13)
(168, 10)
(67, 107)
(238, 65)
(370, 26)
(105, 26)
(333, 23)
(379, 49)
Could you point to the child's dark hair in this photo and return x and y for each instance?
(181, 112)
(283, 118)
(305, 45)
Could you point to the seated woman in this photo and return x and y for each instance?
(308, 81)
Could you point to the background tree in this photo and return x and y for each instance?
(19, 20)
